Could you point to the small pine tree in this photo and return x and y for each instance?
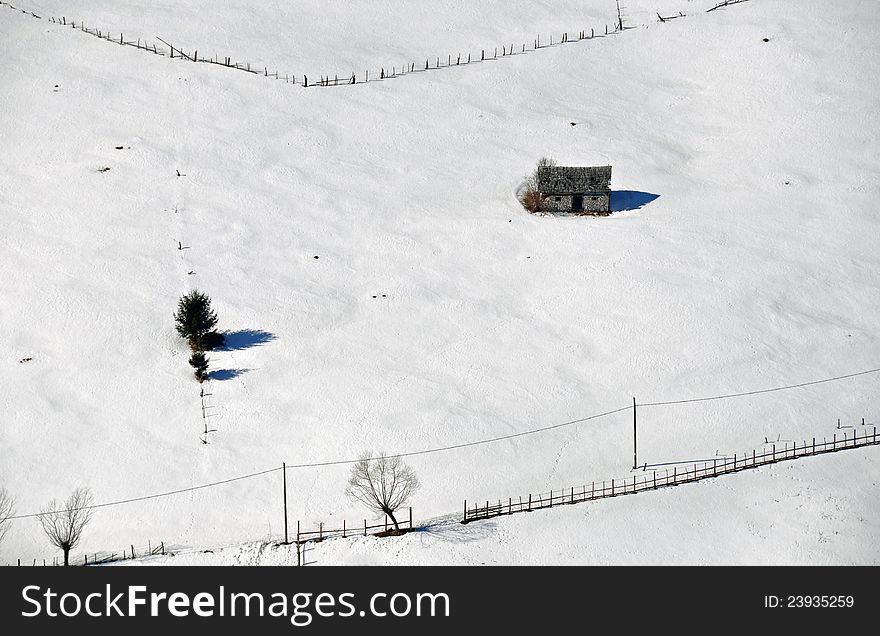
(195, 318)
(199, 362)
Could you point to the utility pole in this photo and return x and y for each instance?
(635, 455)
(284, 473)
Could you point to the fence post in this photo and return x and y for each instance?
(530, 502)
(132, 552)
(320, 531)
(635, 460)
(675, 474)
(464, 518)
(572, 494)
(386, 523)
(612, 487)
(510, 505)
(284, 489)
(410, 517)
(343, 528)
(655, 479)
(163, 548)
(365, 527)
(875, 434)
(834, 441)
(774, 452)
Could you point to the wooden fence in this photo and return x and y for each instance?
(393, 71)
(101, 558)
(726, 3)
(304, 536)
(669, 477)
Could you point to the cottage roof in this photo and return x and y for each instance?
(573, 179)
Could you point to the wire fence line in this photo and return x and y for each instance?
(432, 62)
(760, 391)
(464, 444)
(103, 558)
(696, 471)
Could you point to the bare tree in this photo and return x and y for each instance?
(64, 523)
(382, 483)
(7, 509)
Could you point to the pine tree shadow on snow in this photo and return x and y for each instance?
(244, 339)
(623, 200)
(226, 374)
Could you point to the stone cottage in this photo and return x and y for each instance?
(575, 190)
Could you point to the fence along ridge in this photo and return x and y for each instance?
(692, 472)
(350, 80)
(102, 558)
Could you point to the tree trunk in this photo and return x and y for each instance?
(66, 557)
(393, 520)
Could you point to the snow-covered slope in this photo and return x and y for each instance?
(756, 265)
(809, 513)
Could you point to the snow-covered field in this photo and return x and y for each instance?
(438, 312)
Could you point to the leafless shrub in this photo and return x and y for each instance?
(545, 162)
(532, 198)
(382, 483)
(7, 509)
(64, 523)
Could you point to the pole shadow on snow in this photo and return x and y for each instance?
(245, 339)
(623, 200)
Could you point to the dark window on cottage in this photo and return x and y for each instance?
(557, 198)
(577, 202)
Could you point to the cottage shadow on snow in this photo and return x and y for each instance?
(624, 200)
